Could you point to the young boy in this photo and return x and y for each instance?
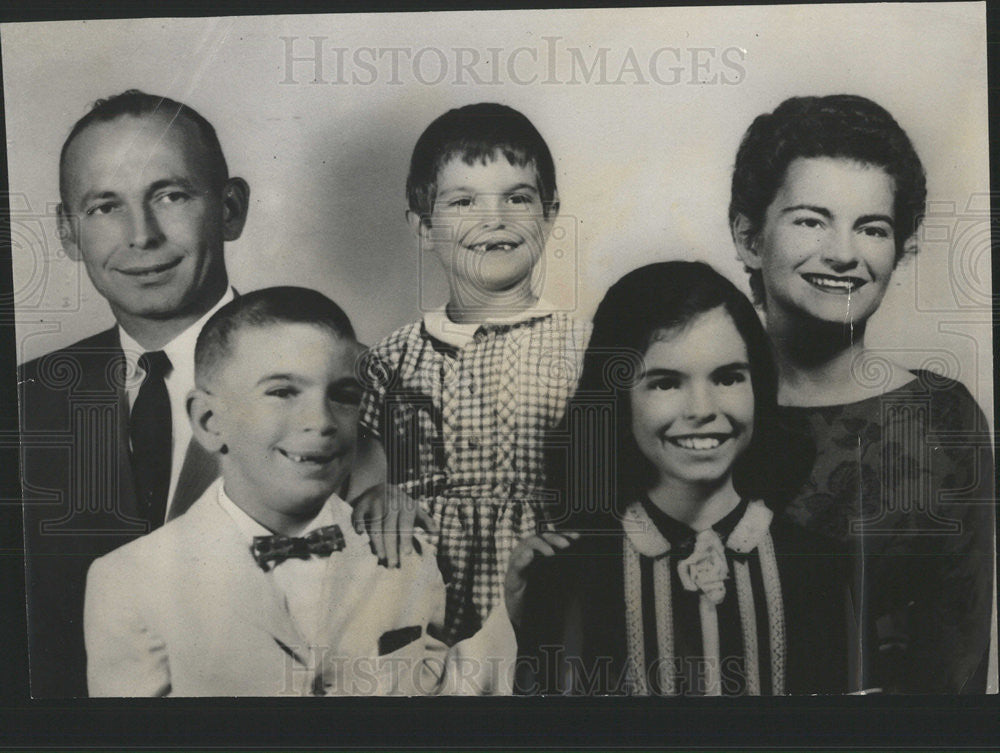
(461, 400)
(263, 587)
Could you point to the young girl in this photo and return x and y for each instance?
(827, 195)
(461, 400)
(681, 583)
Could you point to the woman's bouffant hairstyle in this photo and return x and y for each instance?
(606, 471)
(841, 126)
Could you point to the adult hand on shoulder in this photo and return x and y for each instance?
(391, 517)
(525, 553)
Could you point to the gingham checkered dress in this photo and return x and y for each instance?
(463, 431)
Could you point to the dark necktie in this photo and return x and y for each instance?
(152, 439)
(276, 549)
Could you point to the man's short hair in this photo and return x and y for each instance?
(139, 104)
(264, 308)
(478, 133)
(840, 126)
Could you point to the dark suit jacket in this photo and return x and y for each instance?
(79, 498)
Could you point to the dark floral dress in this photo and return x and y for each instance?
(902, 496)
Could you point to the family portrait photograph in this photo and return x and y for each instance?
(595, 352)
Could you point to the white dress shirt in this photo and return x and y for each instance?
(300, 581)
(180, 381)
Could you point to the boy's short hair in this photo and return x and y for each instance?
(841, 126)
(476, 133)
(263, 308)
(137, 104)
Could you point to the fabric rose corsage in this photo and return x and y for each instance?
(706, 569)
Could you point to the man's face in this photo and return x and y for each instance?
(286, 408)
(142, 211)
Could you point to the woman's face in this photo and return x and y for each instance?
(827, 247)
(693, 406)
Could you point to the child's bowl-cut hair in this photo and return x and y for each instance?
(478, 133)
(840, 126)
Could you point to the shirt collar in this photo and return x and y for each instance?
(677, 532)
(180, 350)
(742, 529)
(438, 324)
(250, 527)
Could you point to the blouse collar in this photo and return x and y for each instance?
(654, 533)
(439, 325)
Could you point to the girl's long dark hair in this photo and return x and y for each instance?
(603, 470)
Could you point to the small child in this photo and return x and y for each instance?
(686, 586)
(461, 400)
(263, 588)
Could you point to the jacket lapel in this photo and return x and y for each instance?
(238, 580)
(200, 467)
(350, 581)
(260, 603)
(336, 587)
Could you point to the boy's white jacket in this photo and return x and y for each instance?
(186, 611)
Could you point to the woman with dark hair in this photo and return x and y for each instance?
(679, 584)
(827, 195)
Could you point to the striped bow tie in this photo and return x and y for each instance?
(276, 549)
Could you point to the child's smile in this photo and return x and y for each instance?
(699, 442)
(693, 409)
(314, 462)
(488, 241)
(488, 227)
(319, 458)
(286, 409)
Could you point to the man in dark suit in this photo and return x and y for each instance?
(147, 205)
